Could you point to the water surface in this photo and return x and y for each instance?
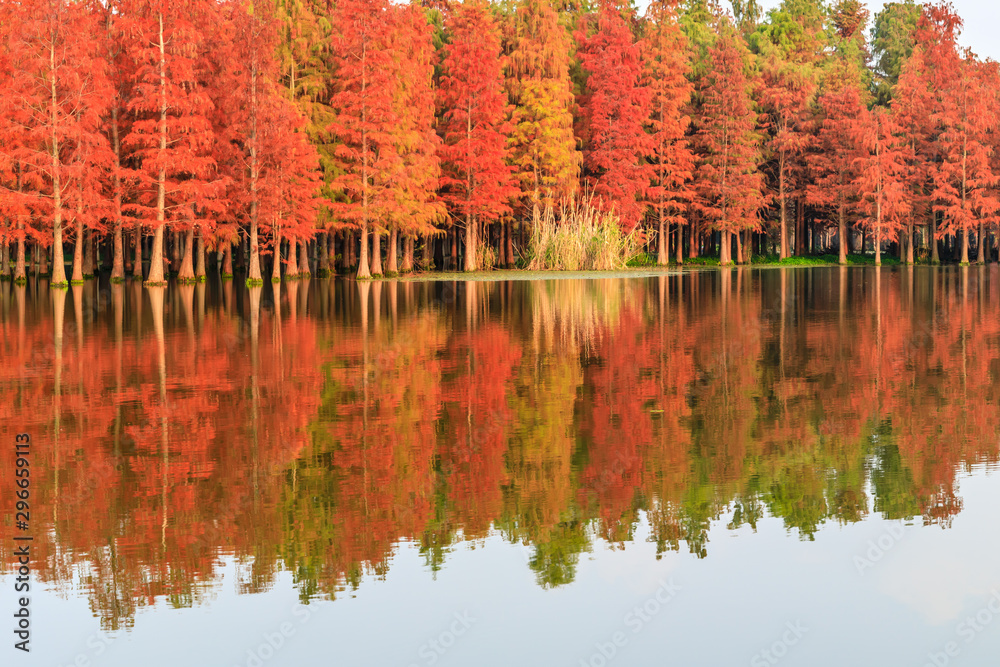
(676, 469)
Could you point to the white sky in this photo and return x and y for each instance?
(981, 17)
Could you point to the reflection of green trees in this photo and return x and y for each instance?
(555, 556)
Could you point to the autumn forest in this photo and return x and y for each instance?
(283, 137)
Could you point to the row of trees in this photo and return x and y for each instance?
(280, 123)
(270, 425)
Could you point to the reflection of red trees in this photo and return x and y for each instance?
(478, 375)
(295, 439)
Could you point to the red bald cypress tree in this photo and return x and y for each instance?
(840, 111)
(964, 181)
(729, 182)
(478, 182)
(414, 206)
(55, 97)
(172, 132)
(615, 110)
(665, 59)
(881, 176)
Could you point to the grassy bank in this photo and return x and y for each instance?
(640, 269)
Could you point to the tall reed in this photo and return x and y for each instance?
(579, 237)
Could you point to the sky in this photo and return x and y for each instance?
(981, 17)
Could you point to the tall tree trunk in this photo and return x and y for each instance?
(393, 258)
(376, 253)
(118, 263)
(186, 273)
(276, 263)
(935, 254)
(137, 243)
(78, 243)
(842, 234)
(981, 245)
(510, 244)
(662, 243)
(59, 263)
(783, 198)
(322, 239)
(800, 227)
(909, 242)
(693, 231)
(89, 253)
(471, 243)
(680, 243)
(304, 269)
(155, 276)
(724, 245)
(292, 264)
(407, 264)
(4, 258)
(964, 233)
(20, 273)
(428, 260)
(227, 260)
(199, 254)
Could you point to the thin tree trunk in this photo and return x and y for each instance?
(783, 230)
(662, 251)
(81, 232)
(981, 245)
(59, 268)
(935, 256)
(376, 253)
(680, 243)
(276, 263)
(842, 234)
(155, 276)
(909, 242)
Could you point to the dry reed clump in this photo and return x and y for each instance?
(581, 238)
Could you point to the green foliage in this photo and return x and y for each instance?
(641, 260)
(892, 45)
(822, 260)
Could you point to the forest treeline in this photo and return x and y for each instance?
(384, 137)
(314, 427)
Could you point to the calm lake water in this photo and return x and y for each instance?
(748, 467)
